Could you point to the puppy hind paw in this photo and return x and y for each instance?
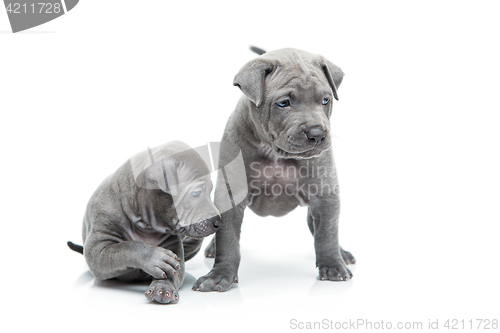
(210, 250)
(347, 257)
(162, 291)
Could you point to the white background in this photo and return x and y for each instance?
(416, 146)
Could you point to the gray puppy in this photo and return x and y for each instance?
(282, 126)
(148, 218)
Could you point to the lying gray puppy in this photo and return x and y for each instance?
(148, 218)
(282, 126)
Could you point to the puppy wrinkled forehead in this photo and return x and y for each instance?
(192, 177)
(285, 82)
(186, 159)
(305, 74)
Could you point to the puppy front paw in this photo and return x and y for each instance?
(210, 250)
(161, 263)
(335, 272)
(217, 280)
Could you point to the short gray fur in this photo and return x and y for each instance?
(144, 221)
(273, 137)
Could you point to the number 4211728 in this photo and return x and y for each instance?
(34, 8)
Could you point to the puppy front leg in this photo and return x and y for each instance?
(109, 259)
(227, 238)
(227, 254)
(325, 219)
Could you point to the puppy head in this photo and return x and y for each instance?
(184, 176)
(291, 94)
(197, 216)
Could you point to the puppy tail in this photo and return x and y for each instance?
(75, 247)
(257, 50)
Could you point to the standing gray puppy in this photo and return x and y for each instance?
(148, 218)
(282, 126)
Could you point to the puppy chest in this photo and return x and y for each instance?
(269, 173)
(274, 187)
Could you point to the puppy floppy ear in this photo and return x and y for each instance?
(250, 79)
(163, 175)
(333, 74)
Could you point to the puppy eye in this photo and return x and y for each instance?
(196, 194)
(284, 104)
(325, 101)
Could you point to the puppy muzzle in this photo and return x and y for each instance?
(201, 229)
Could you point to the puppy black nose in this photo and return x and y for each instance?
(315, 135)
(216, 221)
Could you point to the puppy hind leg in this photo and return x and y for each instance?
(191, 247)
(165, 291)
(134, 275)
(310, 221)
(210, 249)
